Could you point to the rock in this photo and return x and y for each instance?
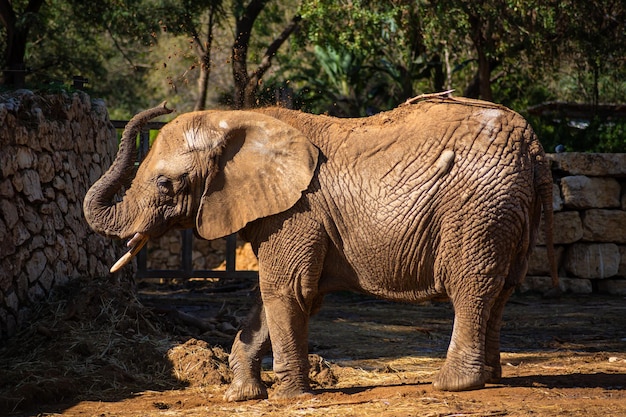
(604, 226)
(58, 183)
(542, 284)
(592, 260)
(534, 285)
(24, 157)
(47, 278)
(538, 263)
(33, 221)
(6, 189)
(36, 292)
(7, 247)
(20, 234)
(622, 262)
(35, 265)
(581, 192)
(557, 200)
(613, 286)
(45, 167)
(576, 285)
(568, 228)
(37, 242)
(11, 301)
(594, 164)
(62, 204)
(32, 186)
(9, 213)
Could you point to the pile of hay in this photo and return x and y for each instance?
(94, 340)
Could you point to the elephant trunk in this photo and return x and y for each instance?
(103, 214)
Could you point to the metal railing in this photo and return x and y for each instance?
(186, 270)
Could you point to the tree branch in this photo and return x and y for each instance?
(243, 30)
(266, 62)
(119, 48)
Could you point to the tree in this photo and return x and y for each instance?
(247, 84)
(371, 61)
(17, 25)
(197, 20)
(593, 33)
(66, 38)
(497, 31)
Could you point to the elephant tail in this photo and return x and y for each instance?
(543, 187)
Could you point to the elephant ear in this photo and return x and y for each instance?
(264, 167)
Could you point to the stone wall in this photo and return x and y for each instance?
(52, 148)
(589, 225)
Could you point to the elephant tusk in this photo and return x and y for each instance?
(136, 243)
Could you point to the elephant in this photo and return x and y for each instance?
(439, 198)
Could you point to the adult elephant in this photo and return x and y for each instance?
(440, 197)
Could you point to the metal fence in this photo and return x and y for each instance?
(186, 270)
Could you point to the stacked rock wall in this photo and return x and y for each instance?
(589, 225)
(52, 148)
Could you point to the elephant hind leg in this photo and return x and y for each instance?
(493, 367)
(250, 345)
(464, 368)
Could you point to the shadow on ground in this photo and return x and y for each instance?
(96, 340)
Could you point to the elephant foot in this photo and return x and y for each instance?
(493, 374)
(286, 390)
(450, 380)
(240, 390)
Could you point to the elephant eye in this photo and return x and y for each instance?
(165, 186)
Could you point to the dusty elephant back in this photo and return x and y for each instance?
(444, 183)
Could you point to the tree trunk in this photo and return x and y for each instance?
(479, 31)
(14, 74)
(247, 85)
(484, 77)
(252, 86)
(243, 30)
(15, 71)
(203, 86)
(204, 52)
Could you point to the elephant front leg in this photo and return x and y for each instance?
(464, 368)
(290, 267)
(288, 326)
(250, 345)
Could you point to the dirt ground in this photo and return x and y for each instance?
(105, 354)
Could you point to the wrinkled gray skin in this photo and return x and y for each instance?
(436, 199)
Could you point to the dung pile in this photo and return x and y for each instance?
(197, 363)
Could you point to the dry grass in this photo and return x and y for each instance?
(90, 339)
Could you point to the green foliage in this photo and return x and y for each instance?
(597, 135)
(362, 23)
(348, 58)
